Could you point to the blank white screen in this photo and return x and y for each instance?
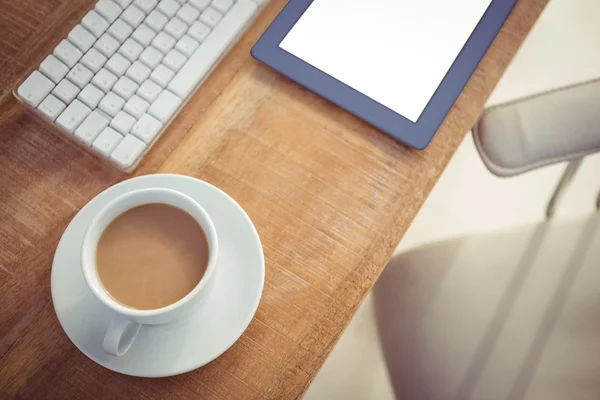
(394, 51)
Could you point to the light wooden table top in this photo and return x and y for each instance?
(330, 196)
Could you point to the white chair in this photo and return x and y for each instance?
(507, 315)
(529, 133)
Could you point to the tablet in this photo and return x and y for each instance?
(397, 64)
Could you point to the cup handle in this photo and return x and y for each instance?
(120, 335)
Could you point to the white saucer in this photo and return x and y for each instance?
(164, 350)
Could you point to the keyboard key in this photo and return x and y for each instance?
(187, 45)
(80, 75)
(149, 91)
(162, 76)
(174, 60)
(146, 128)
(118, 64)
(156, 20)
(188, 14)
(131, 50)
(143, 35)
(94, 23)
(108, 9)
(67, 53)
(145, 5)
(133, 16)
(81, 38)
(199, 31)
(163, 42)
(51, 107)
(120, 30)
(164, 106)
(211, 49)
(123, 3)
(65, 91)
(107, 45)
(106, 142)
(93, 60)
(111, 104)
(221, 5)
(104, 80)
(73, 115)
(53, 69)
(151, 57)
(200, 4)
(168, 7)
(122, 122)
(138, 72)
(211, 17)
(136, 106)
(91, 96)
(35, 88)
(176, 28)
(127, 151)
(125, 87)
(91, 127)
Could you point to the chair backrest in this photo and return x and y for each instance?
(528, 133)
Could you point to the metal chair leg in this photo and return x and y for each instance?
(563, 184)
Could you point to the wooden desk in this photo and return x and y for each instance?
(330, 196)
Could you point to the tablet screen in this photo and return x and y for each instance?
(394, 51)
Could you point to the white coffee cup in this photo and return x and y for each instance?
(126, 324)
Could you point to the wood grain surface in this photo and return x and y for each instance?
(330, 196)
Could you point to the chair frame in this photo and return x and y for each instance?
(563, 184)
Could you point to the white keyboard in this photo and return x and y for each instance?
(124, 71)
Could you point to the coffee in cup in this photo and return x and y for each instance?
(151, 256)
